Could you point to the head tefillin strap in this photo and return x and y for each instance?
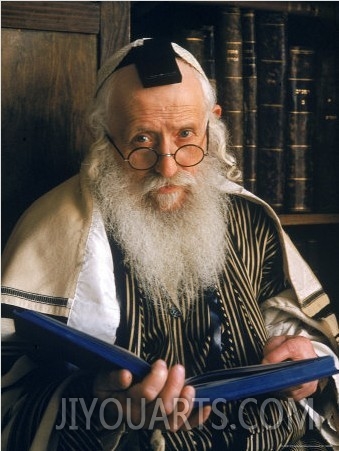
(155, 62)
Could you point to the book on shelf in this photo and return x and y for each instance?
(200, 42)
(300, 128)
(326, 153)
(271, 67)
(209, 54)
(52, 340)
(229, 76)
(250, 86)
(193, 40)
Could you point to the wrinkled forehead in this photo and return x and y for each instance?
(154, 59)
(128, 100)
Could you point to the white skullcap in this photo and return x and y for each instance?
(113, 62)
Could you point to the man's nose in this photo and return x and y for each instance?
(166, 165)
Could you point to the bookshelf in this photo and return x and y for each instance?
(312, 225)
(295, 169)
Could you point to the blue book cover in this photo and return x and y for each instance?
(52, 339)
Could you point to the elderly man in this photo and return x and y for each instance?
(154, 247)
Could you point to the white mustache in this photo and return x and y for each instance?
(155, 182)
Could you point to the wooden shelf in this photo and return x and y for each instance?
(309, 219)
(324, 10)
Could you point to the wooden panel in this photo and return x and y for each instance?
(74, 17)
(114, 27)
(48, 79)
(50, 55)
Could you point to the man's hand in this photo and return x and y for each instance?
(162, 393)
(290, 347)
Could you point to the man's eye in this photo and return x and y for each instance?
(142, 139)
(185, 133)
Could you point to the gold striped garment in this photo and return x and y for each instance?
(253, 272)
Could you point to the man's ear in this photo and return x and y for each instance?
(217, 110)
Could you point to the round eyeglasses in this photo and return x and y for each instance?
(145, 158)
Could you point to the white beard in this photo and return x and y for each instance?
(174, 254)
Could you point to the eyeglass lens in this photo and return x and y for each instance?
(146, 158)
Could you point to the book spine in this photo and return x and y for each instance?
(250, 86)
(300, 126)
(200, 42)
(271, 38)
(228, 54)
(209, 54)
(193, 41)
(326, 155)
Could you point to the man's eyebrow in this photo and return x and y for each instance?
(141, 130)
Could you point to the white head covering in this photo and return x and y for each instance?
(113, 62)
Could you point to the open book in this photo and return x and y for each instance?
(53, 340)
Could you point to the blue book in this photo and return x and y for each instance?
(52, 339)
